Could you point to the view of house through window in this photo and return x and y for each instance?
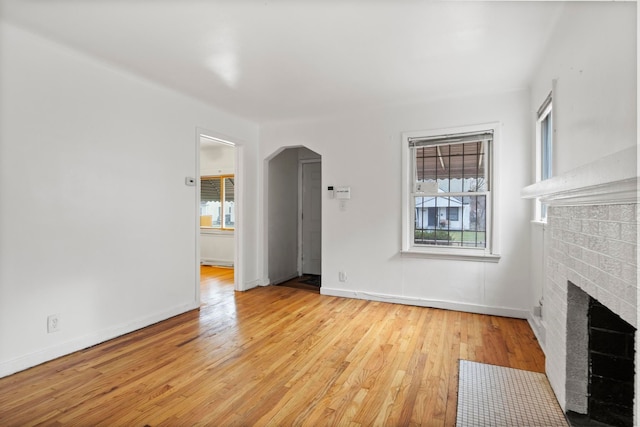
(217, 206)
(451, 189)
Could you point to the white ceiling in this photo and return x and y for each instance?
(277, 60)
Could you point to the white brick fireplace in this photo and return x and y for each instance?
(590, 245)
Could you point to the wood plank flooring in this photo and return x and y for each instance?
(271, 356)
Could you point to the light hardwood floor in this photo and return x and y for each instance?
(271, 356)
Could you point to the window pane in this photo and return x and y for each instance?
(210, 202)
(426, 164)
(229, 203)
(546, 155)
(546, 134)
(451, 221)
(452, 213)
(455, 167)
(473, 233)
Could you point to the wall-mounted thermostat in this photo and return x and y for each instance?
(343, 192)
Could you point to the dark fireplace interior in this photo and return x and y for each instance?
(611, 367)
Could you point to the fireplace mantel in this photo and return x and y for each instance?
(609, 180)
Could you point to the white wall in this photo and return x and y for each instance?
(592, 54)
(363, 151)
(96, 222)
(216, 247)
(592, 57)
(217, 159)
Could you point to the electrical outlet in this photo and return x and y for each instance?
(53, 323)
(342, 276)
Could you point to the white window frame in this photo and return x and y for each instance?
(491, 252)
(546, 110)
(223, 226)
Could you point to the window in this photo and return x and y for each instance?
(449, 192)
(217, 206)
(452, 213)
(544, 145)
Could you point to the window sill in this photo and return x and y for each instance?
(211, 230)
(457, 254)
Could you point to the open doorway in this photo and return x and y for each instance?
(310, 233)
(294, 212)
(218, 210)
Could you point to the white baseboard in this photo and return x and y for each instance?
(216, 262)
(41, 356)
(283, 279)
(254, 284)
(424, 302)
(539, 328)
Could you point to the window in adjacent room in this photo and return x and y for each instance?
(544, 145)
(449, 191)
(217, 206)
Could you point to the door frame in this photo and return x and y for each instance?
(238, 258)
(300, 205)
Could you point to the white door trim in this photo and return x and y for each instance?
(300, 185)
(238, 257)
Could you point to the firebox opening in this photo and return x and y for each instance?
(611, 366)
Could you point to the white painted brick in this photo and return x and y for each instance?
(589, 287)
(575, 251)
(611, 266)
(608, 300)
(629, 232)
(562, 211)
(609, 229)
(596, 275)
(574, 224)
(569, 236)
(590, 227)
(600, 213)
(629, 273)
(618, 288)
(627, 212)
(597, 244)
(570, 263)
(581, 240)
(621, 250)
(630, 293)
(580, 267)
(562, 247)
(629, 253)
(573, 276)
(628, 313)
(583, 212)
(615, 213)
(562, 270)
(590, 257)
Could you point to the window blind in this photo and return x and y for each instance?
(451, 139)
